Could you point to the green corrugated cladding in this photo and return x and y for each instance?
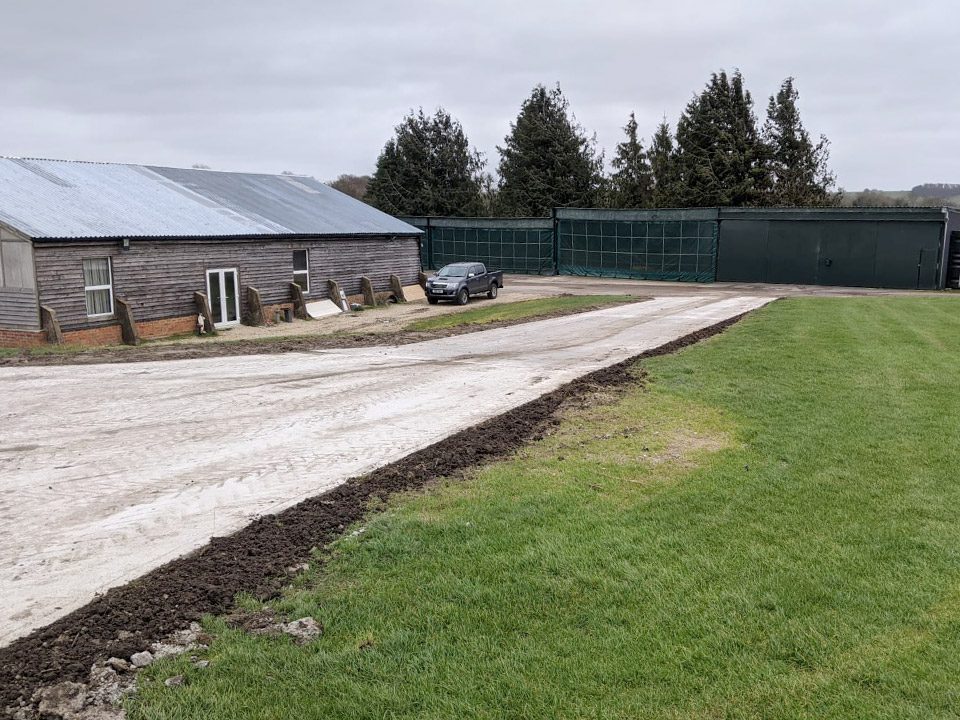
(881, 247)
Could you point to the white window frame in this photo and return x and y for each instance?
(306, 291)
(88, 288)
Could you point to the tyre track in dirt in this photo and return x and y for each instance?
(126, 619)
(132, 465)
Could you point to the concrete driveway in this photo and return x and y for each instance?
(108, 471)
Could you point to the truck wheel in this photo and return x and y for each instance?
(463, 297)
(492, 292)
(432, 300)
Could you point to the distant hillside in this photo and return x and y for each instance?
(927, 195)
(936, 190)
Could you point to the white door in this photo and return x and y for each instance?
(222, 289)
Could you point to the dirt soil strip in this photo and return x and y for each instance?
(126, 619)
(300, 343)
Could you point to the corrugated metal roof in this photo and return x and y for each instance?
(69, 199)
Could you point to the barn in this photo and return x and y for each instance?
(79, 239)
(909, 248)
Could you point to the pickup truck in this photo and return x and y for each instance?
(458, 281)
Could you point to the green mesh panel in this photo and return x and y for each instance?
(640, 244)
(516, 250)
(517, 245)
(674, 247)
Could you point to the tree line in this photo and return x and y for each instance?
(718, 155)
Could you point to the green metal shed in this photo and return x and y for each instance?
(857, 247)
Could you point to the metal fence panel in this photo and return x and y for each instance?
(517, 245)
(645, 245)
(512, 250)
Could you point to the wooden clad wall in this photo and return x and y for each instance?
(158, 277)
(19, 309)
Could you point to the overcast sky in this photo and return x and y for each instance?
(317, 87)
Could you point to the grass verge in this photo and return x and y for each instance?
(500, 312)
(769, 530)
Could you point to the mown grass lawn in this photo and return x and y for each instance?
(771, 529)
(500, 310)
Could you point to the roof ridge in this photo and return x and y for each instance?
(44, 159)
(162, 167)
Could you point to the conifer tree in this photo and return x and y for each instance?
(663, 167)
(547, 160)
(427, 168)
(801, 176)
(631, 184)
(721, 157)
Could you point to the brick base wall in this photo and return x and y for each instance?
(148, 329)
(107, 335)
(22, 338)
(270, 312)
(111, 334)
(168, 326)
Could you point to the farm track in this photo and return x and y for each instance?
(303, 343)
(255, 559)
